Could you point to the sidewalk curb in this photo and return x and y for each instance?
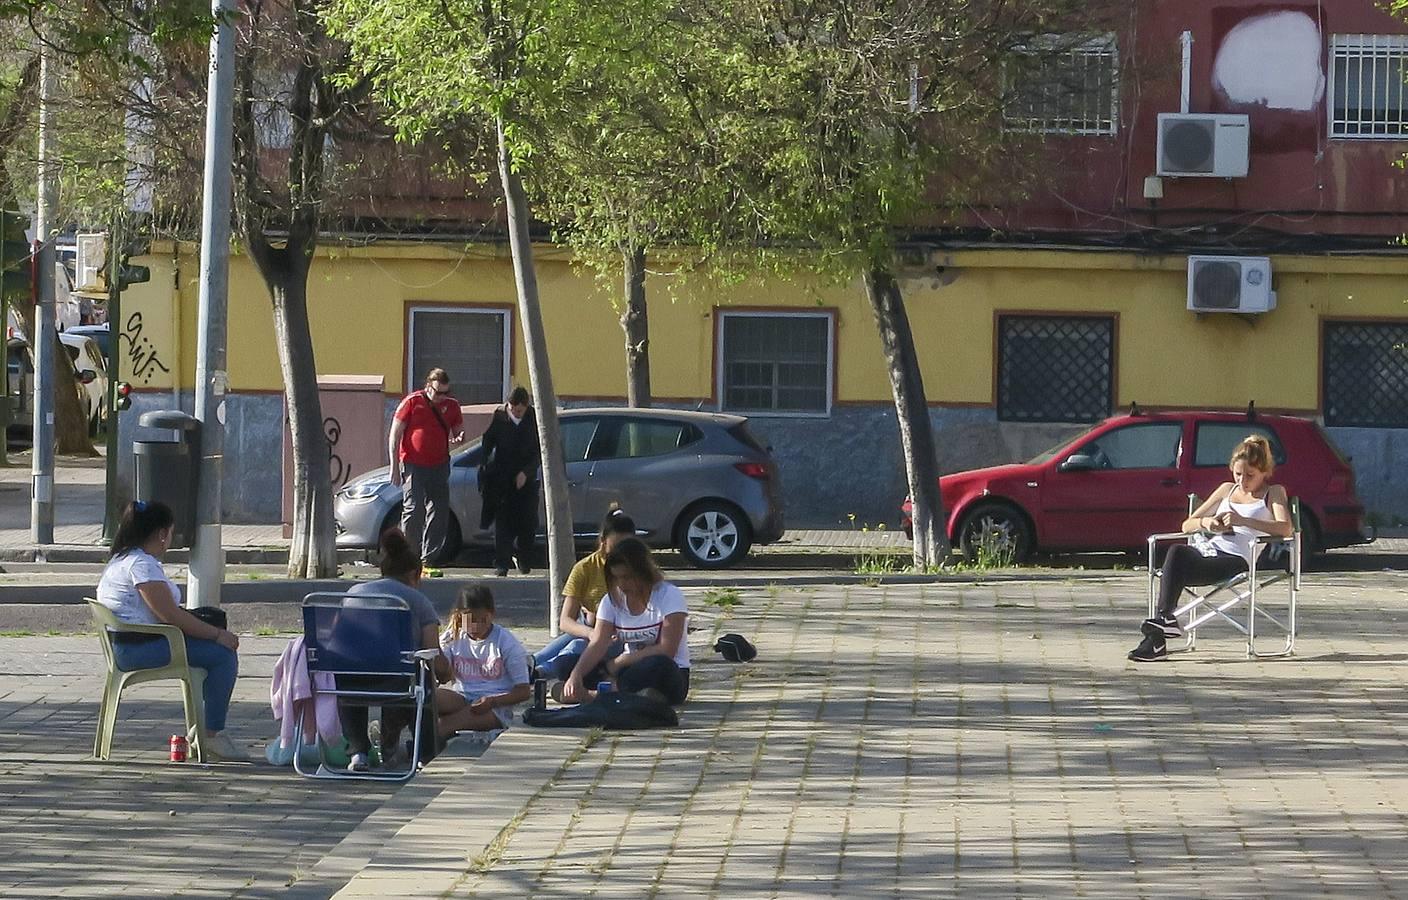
(292, 590)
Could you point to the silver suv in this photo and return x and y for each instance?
(697, 481)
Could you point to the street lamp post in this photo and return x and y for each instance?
(208, 553)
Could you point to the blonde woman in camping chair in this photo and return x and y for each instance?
(1225, 529)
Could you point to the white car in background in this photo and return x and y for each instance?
(92, 371)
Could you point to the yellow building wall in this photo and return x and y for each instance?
(1165, 355)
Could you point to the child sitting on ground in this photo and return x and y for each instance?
(488, 665)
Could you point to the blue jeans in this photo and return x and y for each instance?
(221, 666)
(563, 643)
(560, 667)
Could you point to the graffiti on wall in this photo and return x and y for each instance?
(340, 471)
(142, 354)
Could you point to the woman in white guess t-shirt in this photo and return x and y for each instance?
(648, 615)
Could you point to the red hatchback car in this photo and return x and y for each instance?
(1130, 476)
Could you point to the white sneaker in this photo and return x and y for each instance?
(221, 749)
(359, 763)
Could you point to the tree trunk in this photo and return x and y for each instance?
(312, 553)
(635, 322)
(561, 551)
(71, 436)
(912, 411)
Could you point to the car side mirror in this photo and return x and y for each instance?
(1077, 462)
(87, 376)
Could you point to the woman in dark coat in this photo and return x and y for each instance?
(508, 482)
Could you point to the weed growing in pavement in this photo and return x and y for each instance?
(266, 631)
(875, 561)
(723, 598)
(988, 555)
(20, 633)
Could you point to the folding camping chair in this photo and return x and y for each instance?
(361, 638)
(1217, 601)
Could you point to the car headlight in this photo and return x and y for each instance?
(364, 490)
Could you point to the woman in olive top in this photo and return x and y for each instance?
(586, 585)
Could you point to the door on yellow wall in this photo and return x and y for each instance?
(1116, 489)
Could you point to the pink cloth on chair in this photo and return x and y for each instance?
(291, 696)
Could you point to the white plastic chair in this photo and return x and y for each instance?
(192, 679)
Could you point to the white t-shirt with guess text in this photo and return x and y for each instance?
(640, 631)
(495, 665)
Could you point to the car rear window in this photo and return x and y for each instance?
(638, 438)
(1214, 442)
(745, 437)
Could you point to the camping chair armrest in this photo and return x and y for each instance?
(1274, 539)
(1165, 536)
(427, 655)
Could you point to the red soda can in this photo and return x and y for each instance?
(179, 748)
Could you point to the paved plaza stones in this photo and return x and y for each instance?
(953, 739)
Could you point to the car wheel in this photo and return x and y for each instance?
(995, 533)
(1309, 534)
(454, 541)
(713, 535)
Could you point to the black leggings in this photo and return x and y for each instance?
(1184, 565)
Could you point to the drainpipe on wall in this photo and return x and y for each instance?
(1185, 40)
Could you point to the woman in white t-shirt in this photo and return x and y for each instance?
(136, 589)
(648, 615)
(488, 668)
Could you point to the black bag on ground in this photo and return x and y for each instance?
(735, 648)
(614, 711)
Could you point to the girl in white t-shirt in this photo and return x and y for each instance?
(135, 587)
(648, 615)
(488, 668)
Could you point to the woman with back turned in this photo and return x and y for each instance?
(135, 587)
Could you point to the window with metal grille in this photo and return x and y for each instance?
(776, 362)
(471, 345)
(1064, 85)
(1365, 374)
(1366, 86)
(1055, 368)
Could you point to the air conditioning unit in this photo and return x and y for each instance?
(89, 262)
(1234, 284)
(1203, 145)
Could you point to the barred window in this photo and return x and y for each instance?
(470, 344)
(775, 362)
(1365, 374)
(1366, 84)
(1055, 368)
(1064, 85)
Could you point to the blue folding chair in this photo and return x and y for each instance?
(365, 637)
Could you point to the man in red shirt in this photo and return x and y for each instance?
(425, 426)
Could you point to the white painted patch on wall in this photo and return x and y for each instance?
(1272, 60)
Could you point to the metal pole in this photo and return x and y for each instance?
(116, 237)
(41, 528)
(208, 555)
